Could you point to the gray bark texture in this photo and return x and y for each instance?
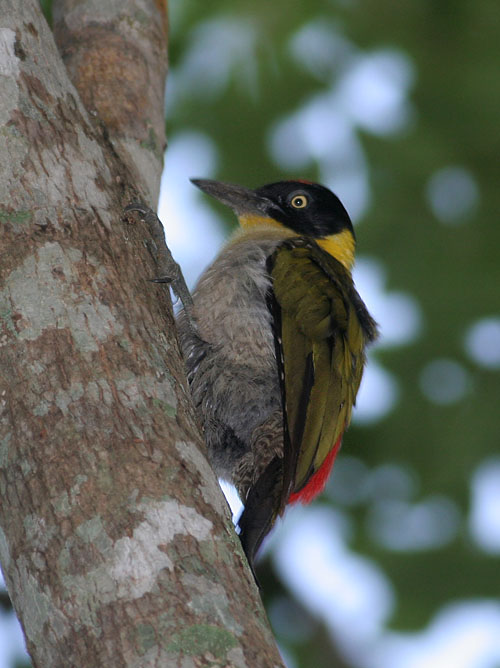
(115, 540)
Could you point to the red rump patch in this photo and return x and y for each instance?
(317, 482)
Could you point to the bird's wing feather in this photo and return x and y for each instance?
(321, 329)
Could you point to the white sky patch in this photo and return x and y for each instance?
(349, 592)
(12, 647)
(374, 91)
(482, 342)
(452, 194)
(484, 519)
(377, 394)
(347, 484)
(320, 49)
(400, 322)
(287, 658)
(464, 635)
(444, 381)
(368, 91)
(193, 232)
(400, 526)
(398, 314)
(311, 132)
(393, 482)
(218, 49)
(353, 483)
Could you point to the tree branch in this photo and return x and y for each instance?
(116, 56)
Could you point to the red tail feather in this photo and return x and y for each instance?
(317, 482)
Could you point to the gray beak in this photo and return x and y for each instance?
(241, 200)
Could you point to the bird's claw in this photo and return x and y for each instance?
(136, 206)
(162, 279)
(147, 214)
(171, 273)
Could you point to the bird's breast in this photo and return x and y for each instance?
(230, 304)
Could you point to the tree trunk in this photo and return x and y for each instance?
(115, 540)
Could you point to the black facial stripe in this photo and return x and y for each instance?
(323, 215)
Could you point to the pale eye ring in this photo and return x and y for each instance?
(299, 201)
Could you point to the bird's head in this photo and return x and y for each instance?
(303, 208)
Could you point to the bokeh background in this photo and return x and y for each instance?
(396, 107)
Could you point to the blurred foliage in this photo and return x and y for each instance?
(453, 271)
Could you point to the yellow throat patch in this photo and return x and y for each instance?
(248, 220)
(341, 246)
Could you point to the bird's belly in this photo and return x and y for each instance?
(239, 374)
(234, 378)
(242, 336)
(236, 386)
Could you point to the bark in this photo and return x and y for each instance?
(115, 55)
(115, 540)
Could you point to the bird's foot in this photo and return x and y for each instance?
(170, 271)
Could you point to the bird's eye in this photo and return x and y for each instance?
(299, 201)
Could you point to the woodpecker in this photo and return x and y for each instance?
(274, 345)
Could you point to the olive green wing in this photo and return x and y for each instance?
(321, 330)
